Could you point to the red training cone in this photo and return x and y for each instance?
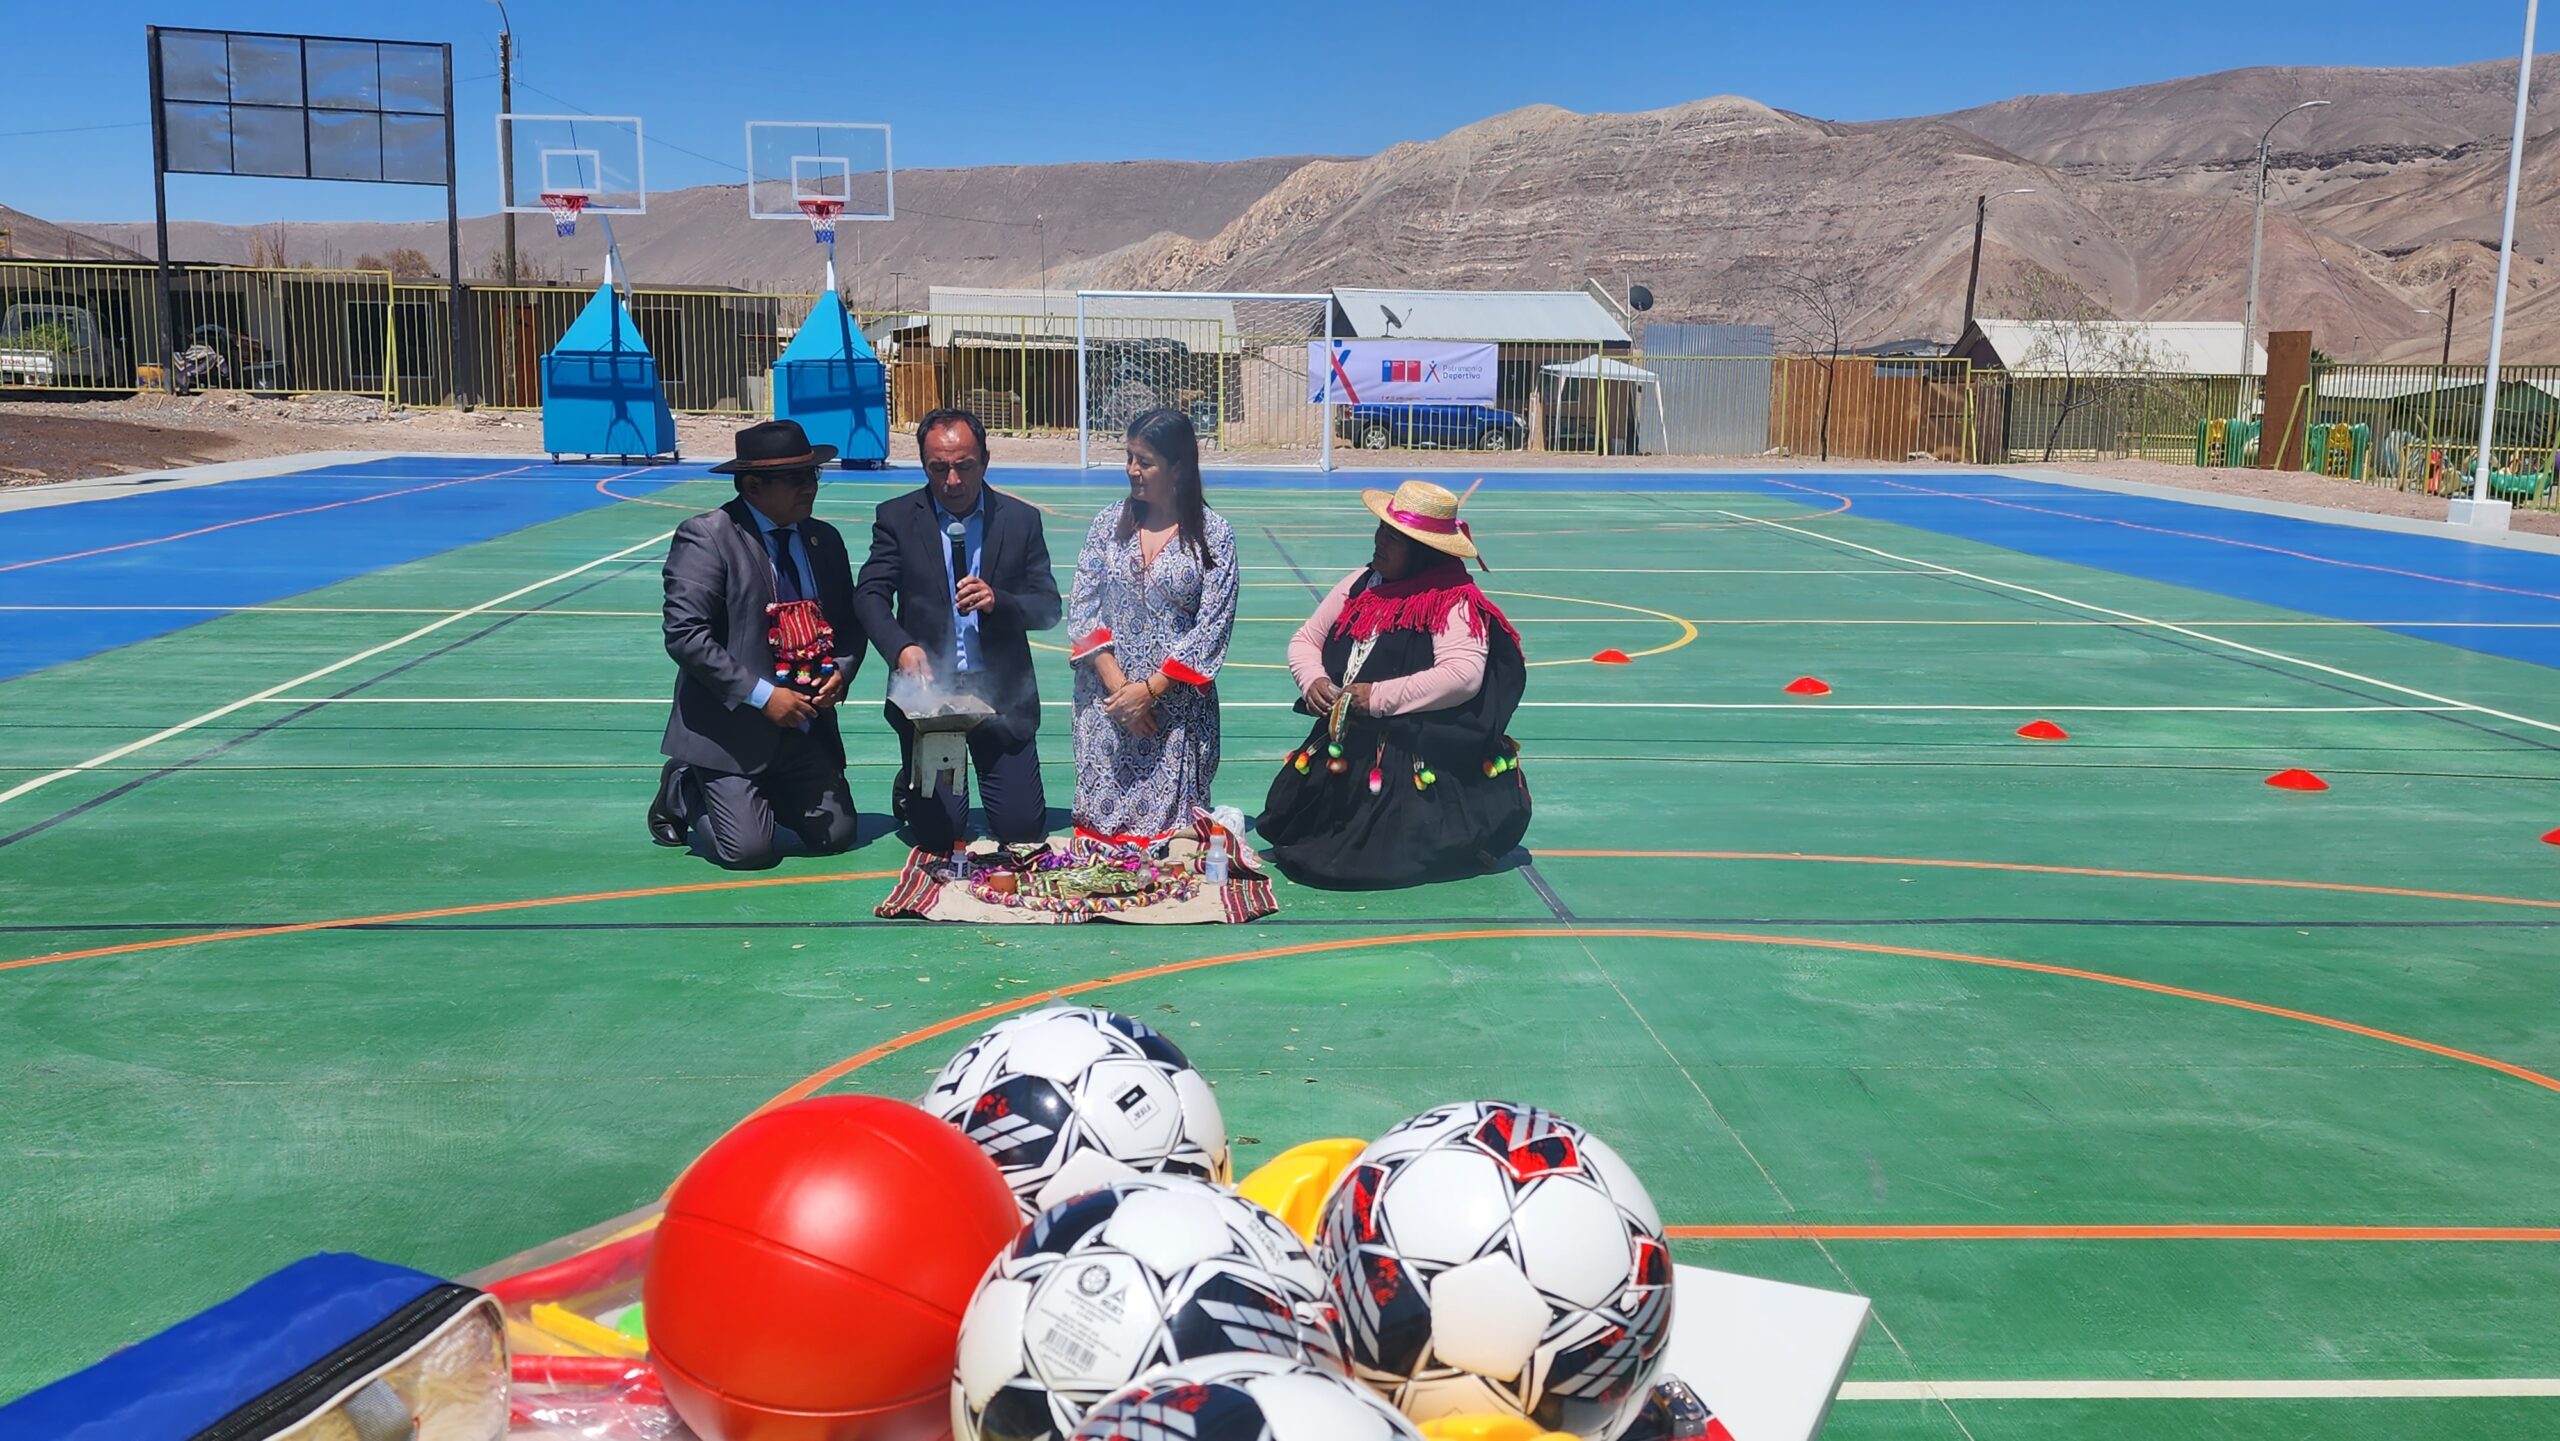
(2043, 730)
(2552, 839)
(2297, 780)
(1807, 685)
(1613, 656)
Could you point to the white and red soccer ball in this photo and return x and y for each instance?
(1491, 1258)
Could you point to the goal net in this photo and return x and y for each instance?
(1235, 362)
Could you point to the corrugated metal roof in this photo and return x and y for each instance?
(1557, 315)
(972, 315)
(2178, 347)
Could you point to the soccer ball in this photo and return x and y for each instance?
(1069, 1098)
(1490, 1258)
(1244, 1398)
(1103, 1286)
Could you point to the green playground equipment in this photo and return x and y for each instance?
(2339, 450)
(2232, 441)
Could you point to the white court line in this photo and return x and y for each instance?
(1293, 620)
(2376, 1388)
(273, 691)
(2207, 637)
(1798, 707)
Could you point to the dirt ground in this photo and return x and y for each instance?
(53, 440)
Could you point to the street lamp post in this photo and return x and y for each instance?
(2482, 509)
(2258, 232)
(1973, 277)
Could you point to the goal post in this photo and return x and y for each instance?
(1234, 361)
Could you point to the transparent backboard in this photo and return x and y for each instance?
(789, 161)
(597, 156)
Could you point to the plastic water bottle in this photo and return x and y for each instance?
(1215, 869)
(959, 860)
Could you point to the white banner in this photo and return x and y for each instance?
(1400, 372)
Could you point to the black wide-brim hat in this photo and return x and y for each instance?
(773, 445)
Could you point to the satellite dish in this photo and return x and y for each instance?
(1639, 298)
(1393, 320)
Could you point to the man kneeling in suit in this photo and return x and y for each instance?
(957, 579)
(752, 589)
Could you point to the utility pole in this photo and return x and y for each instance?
(1040, 226)
(507, 140)
(2451, 292)
(2258, 232)
(1973, 277)
(898, 291)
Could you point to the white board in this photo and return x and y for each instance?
(1766, 1357)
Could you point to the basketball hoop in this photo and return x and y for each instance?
(564, 207)
(822, 219)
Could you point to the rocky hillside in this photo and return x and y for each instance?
(2378, 205)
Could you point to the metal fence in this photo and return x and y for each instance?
(1238, 367)
(2420, 427)
(95, 327)
(2029, 416)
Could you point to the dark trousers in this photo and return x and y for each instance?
(1008, 787)
(802, 785)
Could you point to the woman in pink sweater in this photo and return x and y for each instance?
(1412, 676)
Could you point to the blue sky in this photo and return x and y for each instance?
(995, 82)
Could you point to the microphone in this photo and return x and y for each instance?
(958, 534)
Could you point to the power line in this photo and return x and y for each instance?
(75, 129)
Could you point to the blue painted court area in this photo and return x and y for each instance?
(2463, 594)
(255, 542)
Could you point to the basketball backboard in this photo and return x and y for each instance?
(597, 156)
(789, 161)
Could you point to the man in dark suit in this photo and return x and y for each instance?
(745, 743)
(969, 629)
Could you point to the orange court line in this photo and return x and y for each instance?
(1933, 863)
(254, 519)
(2538, 1234)
(441, 913)
(538, 902)
(811, 1084)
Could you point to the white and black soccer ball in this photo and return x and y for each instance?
(1105, 1286)
(1068, 1098)
(1244, 1398)
(1491, 1258)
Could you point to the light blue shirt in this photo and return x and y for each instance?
(964, 628)
(765, 527)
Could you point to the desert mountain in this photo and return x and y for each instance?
(2378, 204)
(954, 227)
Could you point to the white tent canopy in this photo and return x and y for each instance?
(1601, 367)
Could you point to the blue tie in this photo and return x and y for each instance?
(786, 570)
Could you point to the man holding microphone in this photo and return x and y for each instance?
(957, 579)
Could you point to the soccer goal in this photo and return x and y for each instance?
(1235, 362)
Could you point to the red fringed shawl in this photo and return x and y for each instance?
(1420, 602)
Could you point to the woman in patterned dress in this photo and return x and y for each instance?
(1151, 612)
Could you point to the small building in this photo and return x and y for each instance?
(1533, 332)
(2169, 347)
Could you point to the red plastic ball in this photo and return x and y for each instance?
(809, 1276)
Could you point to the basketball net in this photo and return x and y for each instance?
(564, 208)
(822, 219)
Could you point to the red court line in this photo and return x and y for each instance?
(254, 519)
(1933, 863)
(441, 913)
(2222, 540)
(2537, 1234)
(811, 1084)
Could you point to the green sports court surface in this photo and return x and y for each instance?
(2142, 1097)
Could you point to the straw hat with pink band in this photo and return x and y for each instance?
(1429, 514)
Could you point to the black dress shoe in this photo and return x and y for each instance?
(666, 822)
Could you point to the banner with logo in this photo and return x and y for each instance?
(1400, 372)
